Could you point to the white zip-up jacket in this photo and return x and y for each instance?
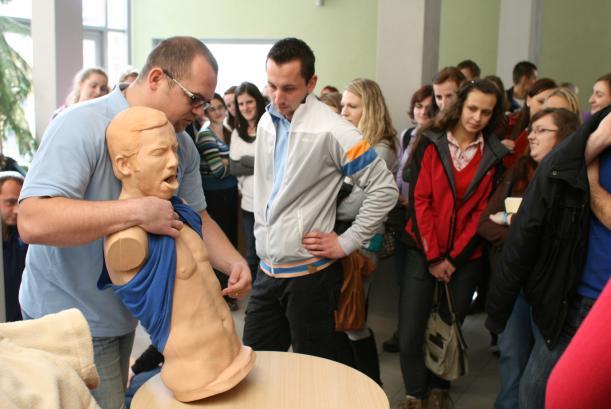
(323, 148)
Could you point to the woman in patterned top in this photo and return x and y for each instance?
(220, 187)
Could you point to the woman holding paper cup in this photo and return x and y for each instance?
(549, 127)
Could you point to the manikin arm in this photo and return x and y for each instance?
(58, 221)
(125, 252)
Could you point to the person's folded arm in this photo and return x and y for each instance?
(210, 154)
(245, 166)
(58, 221)
(599, 140)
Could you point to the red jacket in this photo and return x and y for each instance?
(441, 226)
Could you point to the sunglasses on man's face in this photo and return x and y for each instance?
(196, 100)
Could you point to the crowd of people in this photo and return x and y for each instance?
(317, 186)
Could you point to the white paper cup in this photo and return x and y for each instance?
(512, 204)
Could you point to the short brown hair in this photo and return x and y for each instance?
(420, 95)
(449, 74)
(176, 54)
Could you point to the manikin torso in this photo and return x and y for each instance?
(203, 354)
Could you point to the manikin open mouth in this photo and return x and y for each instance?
(170, 180)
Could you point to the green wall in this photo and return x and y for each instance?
(342, 33)
(469, 30)
(576, 45)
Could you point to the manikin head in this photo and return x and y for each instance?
(143, 149)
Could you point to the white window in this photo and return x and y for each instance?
(239, 61)
(105, 44)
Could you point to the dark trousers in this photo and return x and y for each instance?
(248, 221)
(415, 302)
(222, 206)
(294, 311)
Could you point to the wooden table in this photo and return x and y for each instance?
(281, 380)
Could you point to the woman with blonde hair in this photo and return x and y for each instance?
(89, 83)
(563, 98)
(363, 105)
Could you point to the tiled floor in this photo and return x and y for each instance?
(475, 391)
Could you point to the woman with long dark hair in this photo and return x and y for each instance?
(250, 106)
(453, 169)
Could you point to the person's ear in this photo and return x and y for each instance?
(311, 84)
(154, 78)
(123, 166)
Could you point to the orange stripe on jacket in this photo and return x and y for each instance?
(358, 149)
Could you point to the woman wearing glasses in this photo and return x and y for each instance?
(518, 121)
(549, 127)
(250, 106)
(220, 187)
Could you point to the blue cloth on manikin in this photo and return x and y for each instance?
(148, 295)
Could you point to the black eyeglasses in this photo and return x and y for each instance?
(196, 100)
(539, 131)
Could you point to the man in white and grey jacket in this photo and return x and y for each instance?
(304, 151)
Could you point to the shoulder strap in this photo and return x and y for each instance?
(406, 136)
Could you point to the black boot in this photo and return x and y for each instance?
(366, 357)
(344, 352)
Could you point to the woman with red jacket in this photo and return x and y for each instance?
(452, 173)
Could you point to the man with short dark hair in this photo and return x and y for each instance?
(13, 248)
(470, 69)
(524, 76)
(445, 86)
(69, 204)
(304, 151)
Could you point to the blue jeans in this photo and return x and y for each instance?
(111, 356)
(515, 345)
(542, 359)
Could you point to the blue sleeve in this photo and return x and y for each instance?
(191, 183)
(72, 147)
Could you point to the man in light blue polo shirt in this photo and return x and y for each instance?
(68, 205)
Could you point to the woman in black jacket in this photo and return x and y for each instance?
(544, 256)
(549, 127)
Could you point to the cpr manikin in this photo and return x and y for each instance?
(167, 283)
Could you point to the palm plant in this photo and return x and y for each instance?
(15, 85)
